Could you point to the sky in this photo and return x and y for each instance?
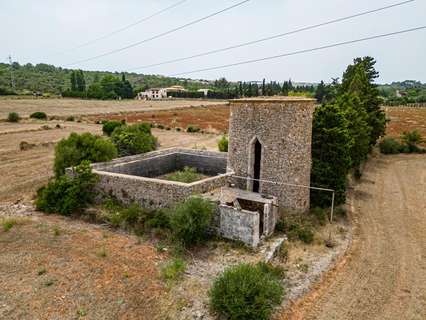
(45, 31)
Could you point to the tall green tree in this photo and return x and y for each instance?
(80, 81)
(73, 80)
(358, 80)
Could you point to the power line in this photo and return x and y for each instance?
(272, 37)
(160, 35)
(301, 51)
(85, 44)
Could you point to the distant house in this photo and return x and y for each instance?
(205, 91)
(158, 93)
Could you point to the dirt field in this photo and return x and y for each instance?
(406, 119)
(384, 274)
(77, 107)
(56, 268)
(212, 119)
(22, 172)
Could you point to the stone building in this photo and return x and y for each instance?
(268, 166)
(270, 139)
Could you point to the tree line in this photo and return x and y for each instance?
(345, 128)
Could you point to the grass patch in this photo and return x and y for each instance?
(173, 271)
(187, 175)
(8, 223)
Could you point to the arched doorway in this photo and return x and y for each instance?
(257, 165)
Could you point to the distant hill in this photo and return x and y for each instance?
(50, 79)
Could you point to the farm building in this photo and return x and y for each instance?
(269, 154)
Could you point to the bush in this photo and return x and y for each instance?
(13, 117)
(246, 292)
(109, 127)
(187, 175)
(39, 115)
(193, 129)
(134, 139)
(70, 118)
(72, 151)
(320, 215)
(389, 146)
(66, 195)
(412, 139)
(296, 228)
(190, 220)
(125, 217)
(223, 144)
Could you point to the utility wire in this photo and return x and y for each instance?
(159, 35)
(85, 44)
(272, 37)
(301, 51)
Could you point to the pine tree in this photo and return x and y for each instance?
(73, 81)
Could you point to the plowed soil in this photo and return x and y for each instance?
(384, 274)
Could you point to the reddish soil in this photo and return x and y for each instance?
(406, 119)
(56, 268)
(214, 119)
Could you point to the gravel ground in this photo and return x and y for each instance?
(384, 274)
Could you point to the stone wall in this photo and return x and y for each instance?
(284, 128)
(120, 179)
(239, 225)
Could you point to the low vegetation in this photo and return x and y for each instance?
(13, 117)
(193, 129)
(247, 292)
(39, 115)
(134, 139)
(66, 195)
(410, 141)
(108, 127)
(173, 270)
(190, 221)
(223, 144)
(77, 148)
(8, 223)
(187, 175)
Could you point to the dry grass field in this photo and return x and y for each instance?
(406, 119)
(75, 107)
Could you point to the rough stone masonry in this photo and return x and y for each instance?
(270, 139)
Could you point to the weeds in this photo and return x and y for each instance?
(187, 175)
(173, 270)
(41, 272)
(101, 253)
(8, 223)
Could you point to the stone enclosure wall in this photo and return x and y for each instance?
(132, 179)
(283, 126)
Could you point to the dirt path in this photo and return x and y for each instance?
(384, 276)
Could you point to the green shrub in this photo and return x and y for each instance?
(193, 129)
(412, 139)
(173, 270)
(320, 215)
(389, 146)
(297, 227)
(13, 117)
(187, 175)
(70, 118)
(134, 139)
(39, 115)
(190, 220)
(223, 144)
(129, 217)
(109, 127)
(246, 292)
(72, 151)
(66, 195)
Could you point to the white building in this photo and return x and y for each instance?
(158, 93)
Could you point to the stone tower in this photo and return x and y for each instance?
(270, 139)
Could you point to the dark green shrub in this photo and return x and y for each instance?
(126, 217)
(109, 127)
(72, 151)
(389, 146)
(134, 139)
(190, 220)
(246, 292)
(66, 195)
(320, 215)
(39, 115)
(13, 117)
(223, 144)
(306, 235)
(158, 219)
(187, 175)
(297, 227)
(193, 129)
(412, 139)
(70, 118)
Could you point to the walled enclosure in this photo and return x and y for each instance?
(134, 179)
(270, 139)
